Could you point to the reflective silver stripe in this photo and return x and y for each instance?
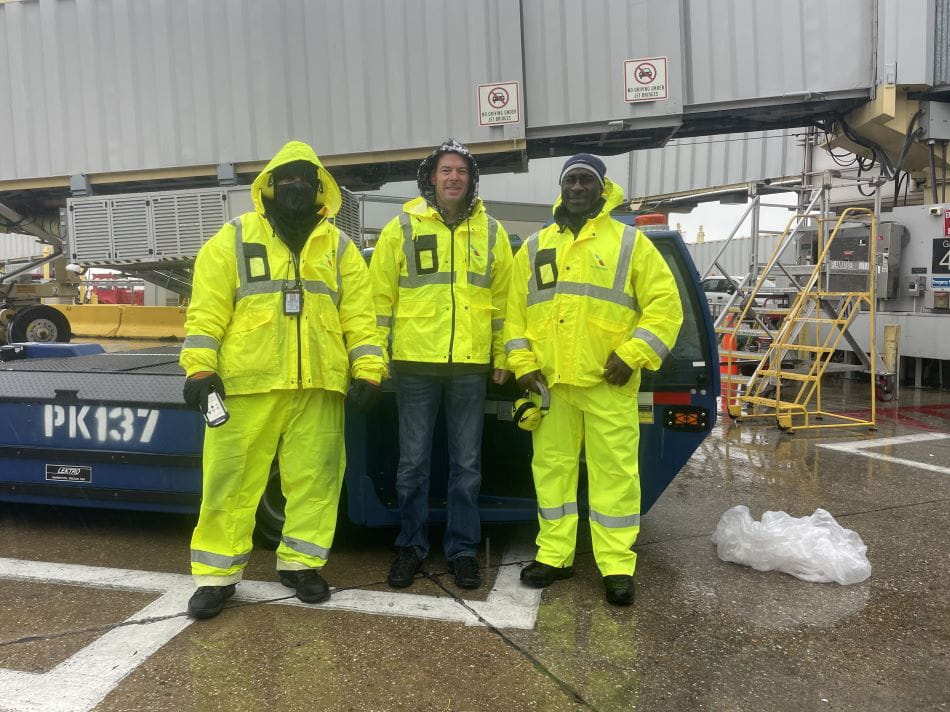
(219, 561)
(558, 512)
(239, 254)
(594, 292)
(367, 350)
(531, 245)
(484, 280)
(655, 343)
(340, 249)
(539, 296)
(632, 520)
(479, 280)
(199, 341)
(386, 321)
(421, 280)
(627, 241)
(497, 324)
(305, 547)
(268, 286)
(318, 286)
(408, 249)
(517, 344)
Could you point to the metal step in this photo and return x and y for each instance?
(740, 355)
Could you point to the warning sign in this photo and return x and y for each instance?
(946, 223)
(498, 104)
(644, 79)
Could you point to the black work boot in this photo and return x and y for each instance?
(466, 573)
(404, 567)
(208, 601)
(538, 575)
(311, 588)
(620, 589)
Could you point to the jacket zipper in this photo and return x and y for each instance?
(299, 287)
(452, 289)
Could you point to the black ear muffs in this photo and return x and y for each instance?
(527, 414)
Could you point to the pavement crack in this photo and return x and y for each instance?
(563, 685)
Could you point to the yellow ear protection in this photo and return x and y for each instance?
(526, 414)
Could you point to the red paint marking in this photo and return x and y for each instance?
(672, 398)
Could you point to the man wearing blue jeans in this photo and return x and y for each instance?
(440, 275)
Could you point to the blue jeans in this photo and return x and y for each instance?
(418, 398)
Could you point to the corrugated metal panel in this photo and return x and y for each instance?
(565, 90)
(694, 164)
(111, 85)
(13, 246)
(743, 49)
(735, 259)
(942, 43)
(105, 86)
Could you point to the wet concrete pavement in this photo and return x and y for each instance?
(703, 634)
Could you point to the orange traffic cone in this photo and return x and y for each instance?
(728, 367)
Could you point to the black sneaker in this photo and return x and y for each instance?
(465, 569)
(208, 601)
(538, 575)
(311, 588)
(404, 567)
(620, 589)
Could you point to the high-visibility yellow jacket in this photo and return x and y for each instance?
(574, 301)
(442, 292)
(236, 323)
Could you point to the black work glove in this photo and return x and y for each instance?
(198, 387)
(616, 372)
(363, 395)
(529, 381)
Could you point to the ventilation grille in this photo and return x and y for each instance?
(144, 227)
(348, 219)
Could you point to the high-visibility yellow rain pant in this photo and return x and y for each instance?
(305, 429)
(606, 422)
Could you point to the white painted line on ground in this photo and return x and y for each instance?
(79, 683)
(862, 447)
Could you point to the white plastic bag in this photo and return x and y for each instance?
(814, 548)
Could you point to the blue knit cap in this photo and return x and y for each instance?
(587, 162)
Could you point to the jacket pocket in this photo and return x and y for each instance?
(416, 330)
(605, 336)
(252, 344)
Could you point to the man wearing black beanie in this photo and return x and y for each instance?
(591, 303)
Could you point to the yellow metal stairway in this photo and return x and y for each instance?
(788, 367)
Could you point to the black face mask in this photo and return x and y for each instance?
(297, 197)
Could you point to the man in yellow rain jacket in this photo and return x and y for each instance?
(592, 302)
(440, 279)
(281, 317)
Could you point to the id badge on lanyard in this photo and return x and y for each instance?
(293, 301)
(293, 296)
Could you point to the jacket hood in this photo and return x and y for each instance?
(421, 208)
(612, 195)
(328, 197)
(424, 180)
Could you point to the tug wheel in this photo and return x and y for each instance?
(270, 512)
(38, 323)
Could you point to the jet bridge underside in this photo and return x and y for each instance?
(632, 76)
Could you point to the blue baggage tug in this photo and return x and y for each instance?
(110, 429)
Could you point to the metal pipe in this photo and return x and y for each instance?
(47, 237)
(944, 171)
(931, 150)
(31, 266)
(725, 243)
